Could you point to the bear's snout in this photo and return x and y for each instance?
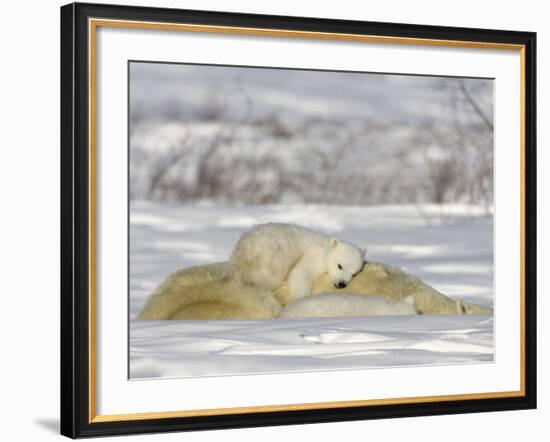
(340, 285)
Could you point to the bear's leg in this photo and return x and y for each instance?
(300, 281)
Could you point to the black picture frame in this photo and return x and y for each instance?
(76, 248)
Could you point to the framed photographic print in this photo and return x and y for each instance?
(273, 220)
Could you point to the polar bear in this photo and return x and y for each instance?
(200, 292)
(270, 254)
(347, 304)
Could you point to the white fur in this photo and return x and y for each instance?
(347, 304)
(201, 293)
(270, 254)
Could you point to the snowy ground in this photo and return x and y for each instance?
(450, 248)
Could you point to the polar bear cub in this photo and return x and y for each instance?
(346, 304)
(270, 254)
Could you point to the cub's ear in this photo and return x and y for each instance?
(333, 242)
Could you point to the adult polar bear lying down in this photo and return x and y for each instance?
(201, 292)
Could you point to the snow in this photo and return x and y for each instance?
(171, 349)
(294, 93)
(450, 247)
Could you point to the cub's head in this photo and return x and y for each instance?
(343, 261)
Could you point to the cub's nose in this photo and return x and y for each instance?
(341, 284)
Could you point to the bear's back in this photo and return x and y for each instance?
(287, 233)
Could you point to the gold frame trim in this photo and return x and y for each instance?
(93, 24)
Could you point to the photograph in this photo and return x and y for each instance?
(275, 220)
(286, 220)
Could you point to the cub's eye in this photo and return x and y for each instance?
(339, 266)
